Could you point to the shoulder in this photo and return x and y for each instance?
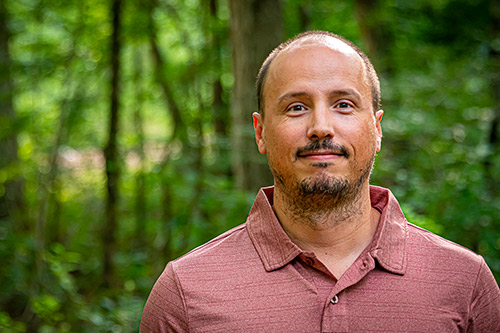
(424, 242)
(442, 262)
(447, 265)
(196, 275)
(230, 254)
(220, 247)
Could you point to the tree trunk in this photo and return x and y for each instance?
(375, 35)
(178, 133)
(52, 184)
(11, 198)
(305, 17)
(220, 108)
(364, 9)
(256, 29)
(111, 153)
(69, 106)
(492, 180)
(174, 109)
(140, 182)
(194, 212)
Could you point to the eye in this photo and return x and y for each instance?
(343, 105)
(296, 108)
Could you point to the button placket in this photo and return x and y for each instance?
(336, 317)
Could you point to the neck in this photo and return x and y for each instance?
(336, 233)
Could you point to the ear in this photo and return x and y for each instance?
(258, 125)
(378, 118)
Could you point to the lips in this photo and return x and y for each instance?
(321, 154)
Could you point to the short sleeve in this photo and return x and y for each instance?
(485, 305)
(165, 309)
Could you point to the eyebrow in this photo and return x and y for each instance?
(338, 92)
(345, 92)
(292, 95)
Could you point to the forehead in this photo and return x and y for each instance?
(317, 60)
(308, 50)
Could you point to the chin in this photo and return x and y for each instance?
(329, 185)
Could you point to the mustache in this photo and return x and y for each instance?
(326, 144)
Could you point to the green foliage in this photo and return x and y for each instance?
(422, 221)
(8, 325)
(438, 156)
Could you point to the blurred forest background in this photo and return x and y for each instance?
(126, 136)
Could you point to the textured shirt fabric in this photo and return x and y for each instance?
(253, 278)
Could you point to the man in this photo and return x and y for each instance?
(323, 250)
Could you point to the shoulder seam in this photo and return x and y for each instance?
(222, 236)
(181, 292)
(475, 286)
(447, 241)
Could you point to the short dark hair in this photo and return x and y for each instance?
(369, 69)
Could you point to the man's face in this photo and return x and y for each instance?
(318, 128)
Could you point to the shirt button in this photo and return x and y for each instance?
(334, 300)
(364, 265)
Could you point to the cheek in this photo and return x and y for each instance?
(363, 138)
(283, 137)
(279, 150)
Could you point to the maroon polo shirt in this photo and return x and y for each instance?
(253, 278)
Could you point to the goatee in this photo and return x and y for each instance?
(323, 193)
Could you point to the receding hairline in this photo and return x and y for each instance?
(330, 40)
(325, 40)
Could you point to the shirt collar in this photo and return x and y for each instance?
(273, 245)
(276, 249)
(389, 244)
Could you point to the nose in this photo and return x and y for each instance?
(321, 124)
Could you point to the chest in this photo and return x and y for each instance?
(289, 301)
